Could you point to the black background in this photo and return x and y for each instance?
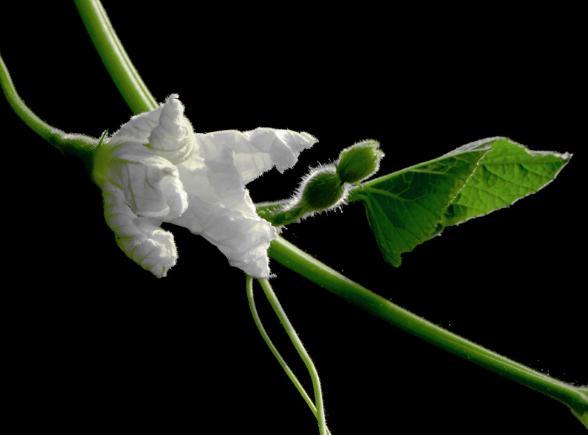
(90, 340)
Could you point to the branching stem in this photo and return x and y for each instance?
(291, 332)
(273, 349)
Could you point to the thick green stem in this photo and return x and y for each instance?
(78, 144)
(114, 57)
(291, 332)
(582, 417)
(300, 262)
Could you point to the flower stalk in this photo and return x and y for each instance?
(78, 144)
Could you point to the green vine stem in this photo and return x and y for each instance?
(114, 56)
(304, 356)
(78, 144)
(139, 99)
(300, 262)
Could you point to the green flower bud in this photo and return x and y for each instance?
(322, 190)
(359, 161)
(328, 187)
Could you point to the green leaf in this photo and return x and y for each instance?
(409, 207)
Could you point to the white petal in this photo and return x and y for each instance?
(257, 151)
(151, 183)
(220, 209)
(164, 130)
(173, 136)
(140, 189)
(243, 238)
(138, 128)
(139, 238)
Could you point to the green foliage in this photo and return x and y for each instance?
(409, 207)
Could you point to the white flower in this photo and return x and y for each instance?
(155, 169)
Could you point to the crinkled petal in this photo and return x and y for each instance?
(173, 136)
(257, 151)
(139, 238)
(140, 189)
(220, 208)
(151, 184)
(164, 130)
(138, 128)
(243, 238)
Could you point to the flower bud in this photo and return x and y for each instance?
(328, 187)
(359, 161)
(322, 190)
